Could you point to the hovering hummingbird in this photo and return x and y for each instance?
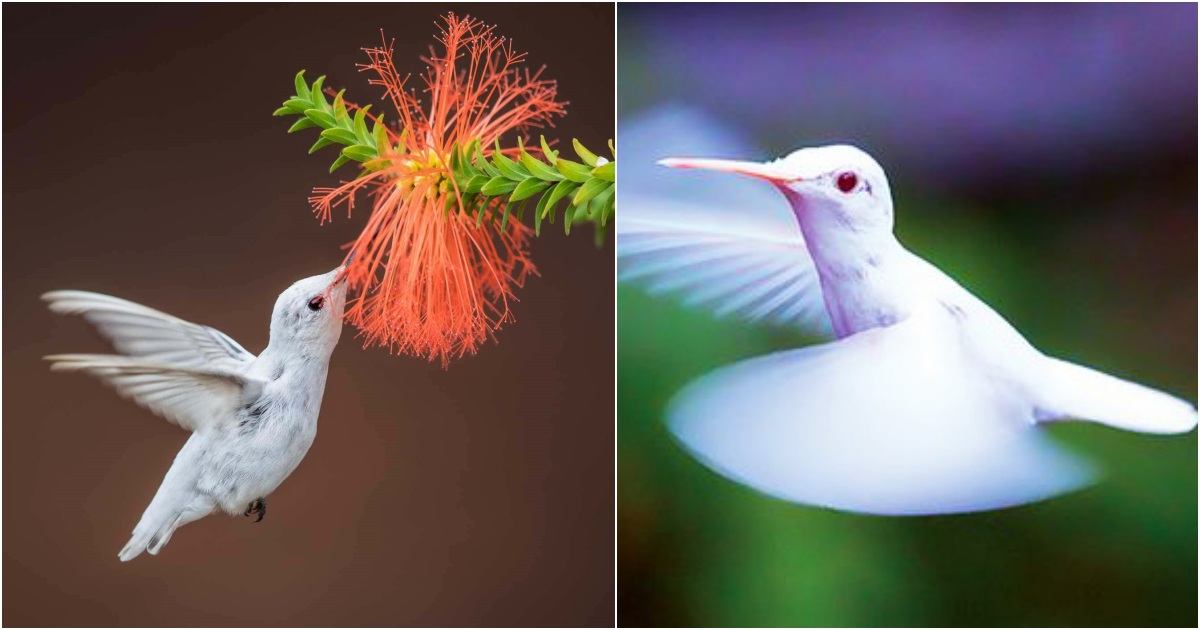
(252, 418)
(928, 402)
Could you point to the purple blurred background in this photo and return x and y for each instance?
(957, 93)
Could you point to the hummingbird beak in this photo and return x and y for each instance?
(341, 271)
(766, 171)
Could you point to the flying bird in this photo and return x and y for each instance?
(252, 418)
(927, 402)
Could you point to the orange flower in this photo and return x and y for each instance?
(424, 280)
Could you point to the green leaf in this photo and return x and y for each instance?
(401, 147)
(539, 169)
(538, 211)
(562, 189)
(454, 161)
(470, 200)
(602, 204)
(376, 164)
(340, 136)
(381, 136)
(360, 125)
(284, 111)
(507, 167)
(321, 118)
(470, 154)
(321, 143)
(590, 189)
(588, 157)
(528, 188)
(507, 209)
(338, 163)
(551, 156)
(498, 186)
(339, 110)
(475, 184)
(479, 216)
(573, 171)
(521, 211)
(360, 152)
(302, 86)
(318, 98)
(482, 164)
(297, 105)
(302, 123)
(462, 169)
(607, 172)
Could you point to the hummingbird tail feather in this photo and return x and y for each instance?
(1074, 392)
(151, 534)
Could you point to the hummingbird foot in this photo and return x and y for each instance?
(257, 506)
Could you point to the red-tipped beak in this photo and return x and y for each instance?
(758, 170)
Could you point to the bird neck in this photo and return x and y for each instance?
(862, 278)
(280, 356)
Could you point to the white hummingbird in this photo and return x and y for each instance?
(927, 403)
(252, 418)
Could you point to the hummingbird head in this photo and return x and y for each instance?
(308, 315)
(835, 188)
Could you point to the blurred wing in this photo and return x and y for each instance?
(156, 337)
(190, 398)
(888, 421)
(728, 243)
(758, 277)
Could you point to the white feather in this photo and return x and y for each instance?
(728, 245)
(888, 421)
(157, 337)
(194, 399)
(1066, 391)
(757, 277)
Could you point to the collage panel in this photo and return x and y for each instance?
(870, 259)
(323, 315)
(307, 369)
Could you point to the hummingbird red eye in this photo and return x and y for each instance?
(847, 182)
(316, 303)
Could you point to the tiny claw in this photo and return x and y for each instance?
(258, 506)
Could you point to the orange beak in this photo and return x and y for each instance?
(758, 170)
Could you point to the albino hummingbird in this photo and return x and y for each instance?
(928, 402)
(252, 418)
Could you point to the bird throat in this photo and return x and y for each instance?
(862, 275)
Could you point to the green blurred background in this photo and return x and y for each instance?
(1085, 241)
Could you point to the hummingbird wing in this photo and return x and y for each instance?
(888, 421)
(194, 399)
(755, 275)
(155, 337)
(725, 243)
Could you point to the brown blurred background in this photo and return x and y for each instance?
(141, 160)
